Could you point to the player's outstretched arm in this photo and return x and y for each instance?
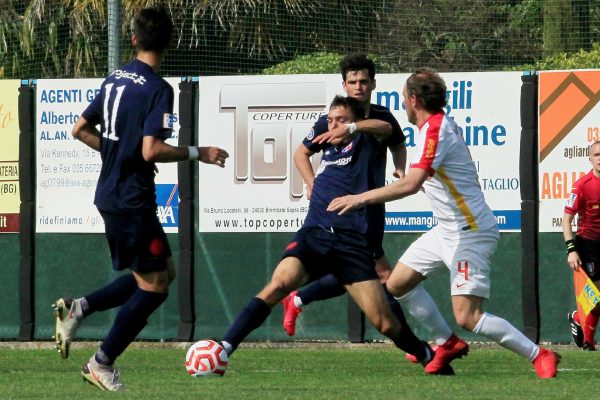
(86, 133)
(378, 128)
(406, 186)
(213, 155)
(156, 150)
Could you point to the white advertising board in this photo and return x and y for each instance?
(260, 121)
(68, 170)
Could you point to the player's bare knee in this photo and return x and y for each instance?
(388, 328)
(278, 285)
(465, 321)
(274, 292)
(382, 322)
(161, 285)
(154, 281)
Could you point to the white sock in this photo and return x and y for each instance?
(506, 335)
(421, 307)
(298, 302)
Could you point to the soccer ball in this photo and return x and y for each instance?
(206, 358)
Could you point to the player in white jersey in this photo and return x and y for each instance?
(467, 234)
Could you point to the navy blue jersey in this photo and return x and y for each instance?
(133, 102)
(397, 137)
(343, 170)
(377, 163)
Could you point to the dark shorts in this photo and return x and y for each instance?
(137, 242)
(342, 253)
(589, 253)
(375, 239)
(376, 227)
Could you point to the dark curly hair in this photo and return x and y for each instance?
(357, 62)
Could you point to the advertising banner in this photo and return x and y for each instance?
(68, 170)
(9, 156)
(261, 120)
(569, 118)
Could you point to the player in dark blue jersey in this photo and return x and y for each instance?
(134, 109)
(358, 81)
(333, 244)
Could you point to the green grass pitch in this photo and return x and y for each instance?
(299, 371)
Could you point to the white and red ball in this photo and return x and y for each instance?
(206, 358)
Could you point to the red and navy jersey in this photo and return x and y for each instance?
(133, 102)
(585, 202)
(376, 164)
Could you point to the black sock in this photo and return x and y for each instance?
(130, 321)
(324, 288)
(113, 295)
(251, 317)
(407, 341)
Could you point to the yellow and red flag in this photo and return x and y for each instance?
(586, 294)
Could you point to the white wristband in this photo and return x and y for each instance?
(351, 128)
(193, 153)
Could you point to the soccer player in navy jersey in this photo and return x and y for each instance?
(332, 244)
(134, 109)
(358, 81)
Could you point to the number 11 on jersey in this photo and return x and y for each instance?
(110, 118)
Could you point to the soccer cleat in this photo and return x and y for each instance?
(290, 314)
(411, 358)
(225, 345)
(587, 346)
(545, 363)
(576, 330)
(105, 380)
(444, 370)
(454, 348)
(66, 325)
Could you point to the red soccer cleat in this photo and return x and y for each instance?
(411, 358)
(454, 348)
(290, 314)
(545, 363)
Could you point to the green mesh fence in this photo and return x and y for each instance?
(69, 38)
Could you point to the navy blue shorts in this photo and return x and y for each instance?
(342, 253)
(375, 239)
(376, 227)
(137, 242)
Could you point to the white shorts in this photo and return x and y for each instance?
(466, 254)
